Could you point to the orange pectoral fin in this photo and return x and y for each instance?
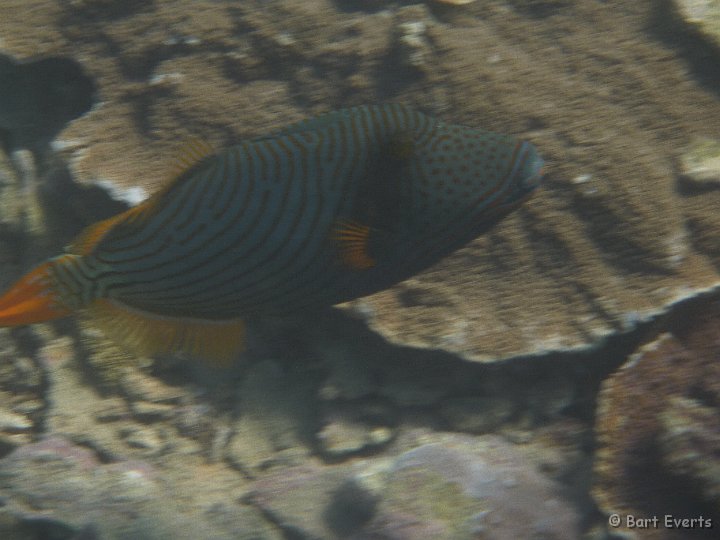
(31, 300)
(353, 241)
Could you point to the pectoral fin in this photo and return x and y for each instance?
(353, 244)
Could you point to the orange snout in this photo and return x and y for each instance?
(31, 300)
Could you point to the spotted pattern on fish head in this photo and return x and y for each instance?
(466, 171)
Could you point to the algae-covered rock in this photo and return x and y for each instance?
(296, 498)
(700, 162)
(352, 427)
(690, 445)
(55, 485)
(411, 37)
(657, 427)
(471, 488)
(455, 2)
(477, 414)
(274, 411)
(456, 487)
(22, 399)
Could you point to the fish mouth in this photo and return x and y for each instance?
(533, 168)
(527, 175)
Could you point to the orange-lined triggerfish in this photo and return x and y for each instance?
(327, 210)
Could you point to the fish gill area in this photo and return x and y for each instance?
(559, 370)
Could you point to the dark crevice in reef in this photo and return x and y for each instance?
(520, 377)
(38, 98)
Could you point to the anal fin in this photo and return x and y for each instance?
(147, 334)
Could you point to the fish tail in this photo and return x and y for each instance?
(32, 299)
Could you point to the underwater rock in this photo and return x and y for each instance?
(56, 485)
(477, 414)
(455, 2)
(13, 198)
(700, 163)
(78, 410)
(361, 364)
(412, 43)
(22, 399)
(149, 441)
(457, 487)
(689, 426)
(562, 451)
(350, 373)
(414, 379)
(275, 411)
(657, 427)
(297, 497)
(703, 15)
(464, 487)
(21, 209)
(15, 429)
(142, 388)
(354, 427)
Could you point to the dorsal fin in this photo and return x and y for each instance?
(324, 119)
(190, 154)
(91, 235)
(315, 122)
(148, 334)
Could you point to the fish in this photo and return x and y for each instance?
(38, 98)
(324, 211)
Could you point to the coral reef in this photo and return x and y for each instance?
(331, 426)
(273, 410)
(658, 427)
(703, 15)
(318, 438)
(456, 2)
(54, 489)
(456, 487)
(700, 163)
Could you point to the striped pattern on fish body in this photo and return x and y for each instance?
(324, 211)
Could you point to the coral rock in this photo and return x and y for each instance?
(657, 428)
(703, 15)
(462, 487)
(274, 410)
(55, 485)
(455, 487)
(700, 163)
(353, 427)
